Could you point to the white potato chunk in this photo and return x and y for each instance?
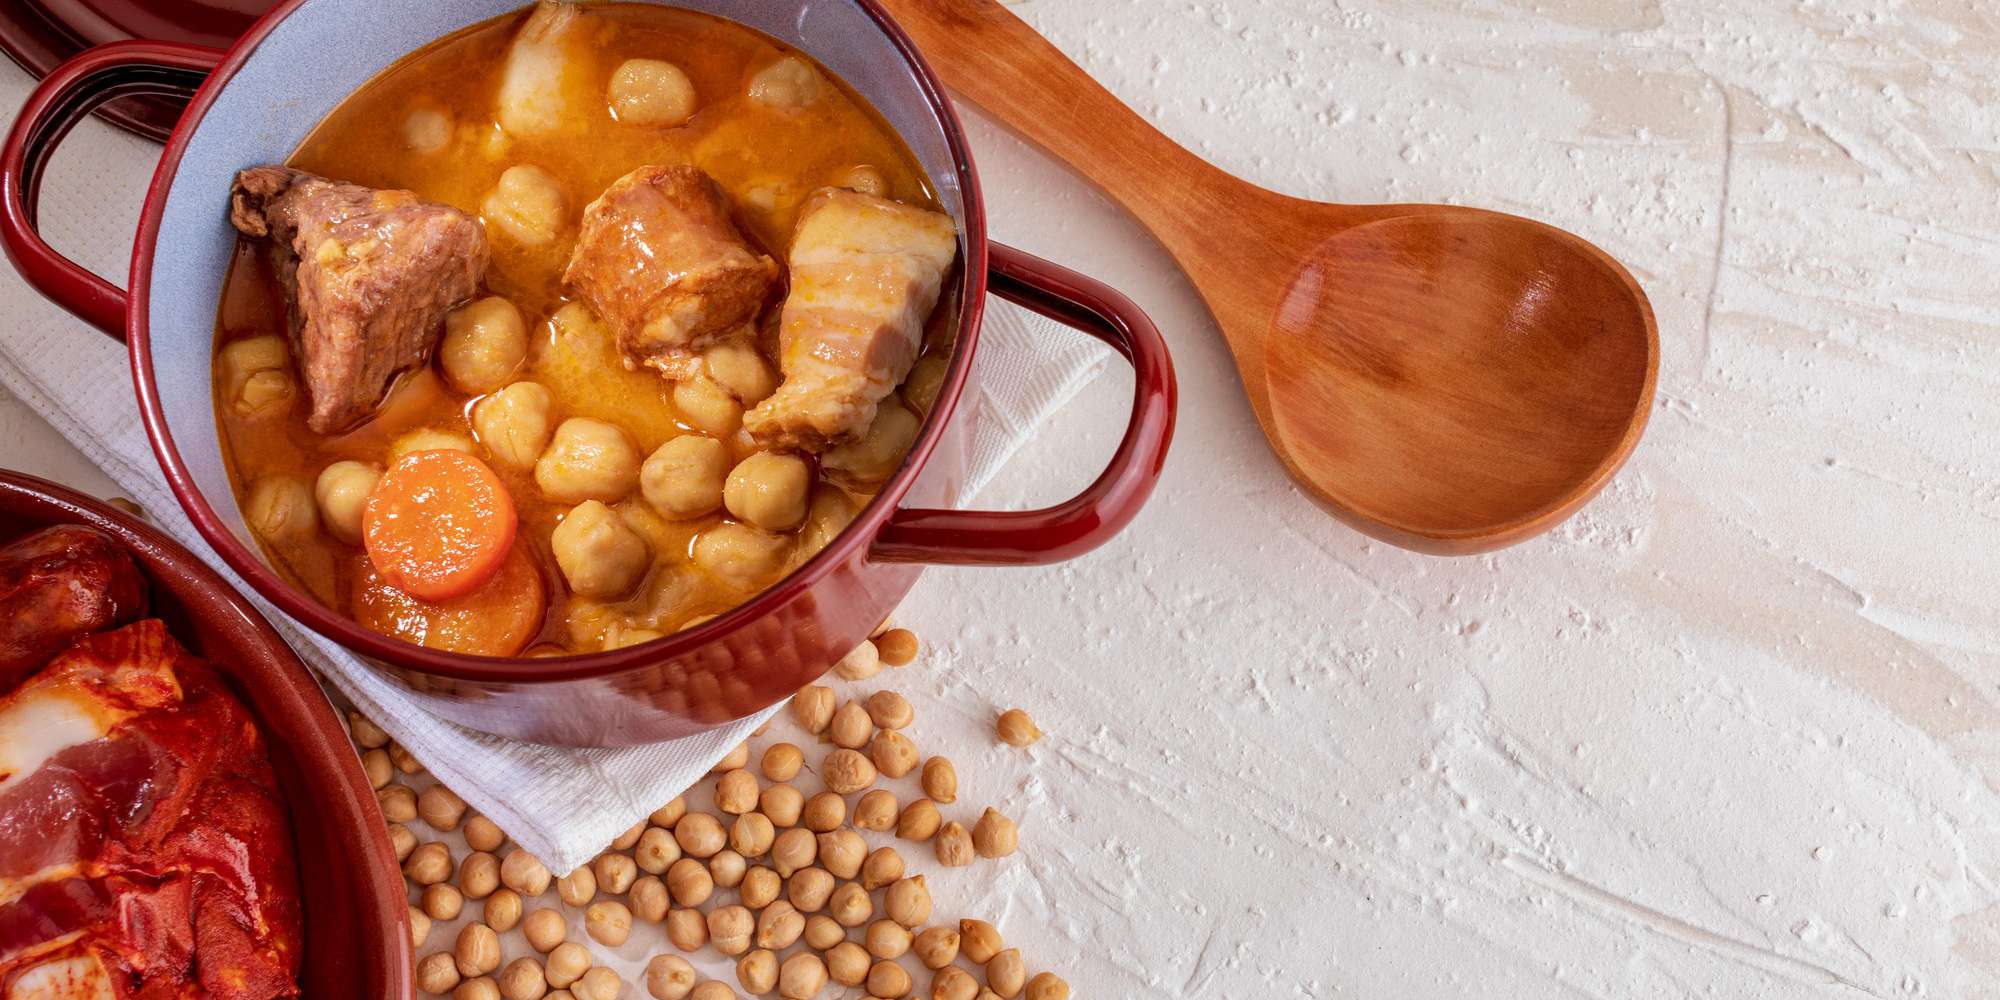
(788, 84)
(280, 509)
(587, 460)
(528, 204)
(768, 490)
(256, 375)
(427, 130)
(484, 342)
(515, 423)
(739, 555)
(651, 92)
(342, 491)
(876, 454)
(546, 67)
(598, 553)
(684, 477)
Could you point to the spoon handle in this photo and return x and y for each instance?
(997, 61)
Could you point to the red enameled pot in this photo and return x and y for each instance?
(255, 102)
(357, 916)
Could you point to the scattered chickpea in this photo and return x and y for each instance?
(995, 836)
(849, 905)
(544, 929)
(824, 811)
(888, 981)
(649, 899)
(614, 872)
(779, 925)
(1016, 729)
(713, 990)
(402, 840)
(936, 947)
(886, 940)
(758, 971)
(420, 928)
(804, 975)
(442, 901)
(429, 864)
(736, 791)
(624, 841)
(524, 873)
(687, 929)
(522, 979)
(841, 852)
(404, 760)
(479, 875)
(978, 940)
(656, 850)
(876, 810)
(667, 815)
(860, 663)
(953, 983)
(847, 771)
(920, 821)
(482, 834)
(812, 708)
(608, 922)
(738, 756)
(823, 932)
(577, 888)
(1047, 986)
(908, 901)
(940, 780)
(792, 850)
(751, 834)
(669, 977)
(898, 646)
(689, 882)
(477, 951)
(480, 988)
(782, 761)
(953, 845)
(398, 802)
(884, 865)
(502, 910)
(809, 889)
(375, 764)
(700, 835)
(441, 808)
(367, 735)
(781, 804)
(598, 984)
(850, 726)
(1005, 974)
(892, 754)
(730, 929)
(437, 973)
(889, 710)
(727, 868)
(566, 964)
(760, 887)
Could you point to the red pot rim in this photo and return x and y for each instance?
(521, 670)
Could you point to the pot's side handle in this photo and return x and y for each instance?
(1069, 529)
(65, 97)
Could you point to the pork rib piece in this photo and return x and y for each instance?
(369, 275)
(144, 851)
(58, 584)
(865, 275)
(660, 260)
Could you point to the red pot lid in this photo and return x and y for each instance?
(40, 34)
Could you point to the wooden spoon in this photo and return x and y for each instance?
(1447, 379)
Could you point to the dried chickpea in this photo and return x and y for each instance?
(480, 988)
(898, 646)
(738, 756)
(727, 868)
(953, 845)
(736, 792)
(978, 940)
(824, 811)
(669, 977)
(994, 836)
(920, 820)
(479, 875)
(1005, 974)
(429, 864)
(713, 990)
(892, 753)
(624, 841)
(442, 901)
(808, 889)
(782, 761)
(887, 980)
(544, 929)
(608, 922)
(477, 951)
(751, 834)
(823, 932)
(1016, 729)
(760, 887)
(402, 841)
(1047, 986)
(524, 873)
(375, 764)
(953, 983)
(876, 810)
(567, 962)
(522, 979)
(482, 834)
(730, 929)
(649, 899)
(700, 835)
(940, 780)
(404, 760)
(841, 852)
(667, 815)
(598, 984)
(367, 735)
(758, 971)
(779, 925)
(577, 888)
(689, 882)
(889, 710)
(860, 663)
(804, 975)
(908, 901)
(502, 910)
(886, 940)
(792, 850)
(847, 771)
(420, 928)
(656, 850)
(437, 973)
(812, 708)
(936, 947)
(398, 802)
(849, 905)
(614, 872)
(884, 865)
(687, 929)
(850, 727)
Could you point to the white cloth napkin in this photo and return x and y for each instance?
(561, 804)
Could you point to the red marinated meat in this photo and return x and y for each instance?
(57, 584)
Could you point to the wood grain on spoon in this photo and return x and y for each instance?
(1448, 379)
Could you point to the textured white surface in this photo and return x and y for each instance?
(1731, 732)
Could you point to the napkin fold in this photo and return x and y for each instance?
(562, 804)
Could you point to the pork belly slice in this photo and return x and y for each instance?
(369, 275)
(660, 260)
(865, 275)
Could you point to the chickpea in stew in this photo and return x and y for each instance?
(576, 328)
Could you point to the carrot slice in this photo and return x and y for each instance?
(498, 619)
(438, 525)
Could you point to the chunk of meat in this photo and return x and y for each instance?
(369, 275)
(866, 273)
(662, 262)
(58, 584)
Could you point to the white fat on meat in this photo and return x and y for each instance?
(542, 82)
(72, 977)
(39, 722)
(865, 274)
